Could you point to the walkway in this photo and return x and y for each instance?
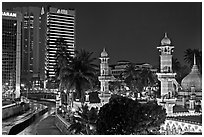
(47, 127)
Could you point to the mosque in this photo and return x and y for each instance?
(183, 102)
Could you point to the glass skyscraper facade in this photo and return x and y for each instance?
(60, 24)
(31, 48)
(11, 48)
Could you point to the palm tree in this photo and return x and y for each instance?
(148, 79)
(80, 75)
(180, 70)
(189, 57)
(63, 61)
(115, 86)
(176, 65)
(132, 78)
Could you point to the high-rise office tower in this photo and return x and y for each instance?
(31, 45)
(11, 52)
(56, 23)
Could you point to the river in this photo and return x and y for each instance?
(31, 130)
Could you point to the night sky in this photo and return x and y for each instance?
(132, 30)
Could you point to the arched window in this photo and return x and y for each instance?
(165, 50)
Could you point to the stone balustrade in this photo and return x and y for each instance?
(176, 114)
(62, 124)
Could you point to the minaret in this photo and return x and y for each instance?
(192, 99)
(104, 78)
(166, 75)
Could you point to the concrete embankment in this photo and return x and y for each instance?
(26, 122)
(14, 125)
(14, 109)
(61, 124)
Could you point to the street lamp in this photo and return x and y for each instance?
(23, 85)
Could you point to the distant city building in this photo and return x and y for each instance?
(56, 23)
(117, 70)
(32, 48)
(41, 28)
(11, 51)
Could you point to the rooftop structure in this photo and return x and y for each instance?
(183, 114)
(193, 79)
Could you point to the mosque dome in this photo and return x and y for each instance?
(165, 40)
(104, 53)
(194, 78)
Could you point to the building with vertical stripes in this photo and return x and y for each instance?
(11, 52)
(31, 47)
(56, 23)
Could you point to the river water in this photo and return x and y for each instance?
(31, 130)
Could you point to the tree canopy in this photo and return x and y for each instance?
(80, 74)
(124, 116)
(138, 78)
(83, 120)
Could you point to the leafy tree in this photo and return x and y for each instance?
(147, 77)
(152, 117)
(83, 120)
(124, 116)
(115, 86)
(118, 117)
(189, 57)
(136, 79)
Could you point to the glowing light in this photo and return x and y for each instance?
(73, 109)
(9, 14)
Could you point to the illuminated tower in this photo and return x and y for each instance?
(31, 56)
(11, 52)
(104, 78)
(56, 24)
(166, 75)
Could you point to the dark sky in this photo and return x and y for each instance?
(132, 30)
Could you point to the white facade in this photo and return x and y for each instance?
(104, 78)
(175, 127)
(166, 75)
